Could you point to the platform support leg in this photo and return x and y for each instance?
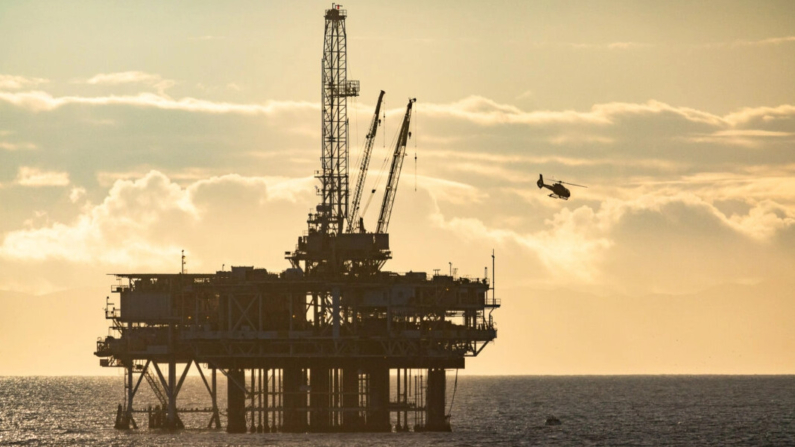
(435, 401)
(236, 398)
(378, 415)
(171, 418)
(319, 398)
(350, 399)
(124, 418)
(294, 391)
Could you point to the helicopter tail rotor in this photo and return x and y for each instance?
(540, 182)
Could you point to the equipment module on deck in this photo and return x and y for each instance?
(309, 348)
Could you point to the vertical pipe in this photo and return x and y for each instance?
(128, 414)
(253, 404)
(397, 399)
(405, 400)
(350, 398)
(216, 415)
(335, 309)
(418, 407)
(281, 397)
(172, 392)
(259, 399)
(316, 312)
(274, 400)
(336, 397)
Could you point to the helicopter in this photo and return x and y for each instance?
(558, 190)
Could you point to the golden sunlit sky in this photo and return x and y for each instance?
(130, 131)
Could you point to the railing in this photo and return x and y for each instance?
(348, 88)
(335, 11)
(101, 345)
(111, 313)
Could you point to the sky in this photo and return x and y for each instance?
(130, 131)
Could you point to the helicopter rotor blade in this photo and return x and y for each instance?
(573, 184)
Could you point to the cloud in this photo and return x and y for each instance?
(580, 139)
(764, 220)
(608, 46)
(740, 137)
(594, 124)
(487, 112)
(516, 161)
(751, 133)
(145, 221)
(591, 243)
(28, 176)
(442, 190)
(126, 77)
(569, 247)
(764, 42)
(525, 94)
(133, 77)
(9, 82)
(208, 37)
(5, 145)
(76, 194)
(750, 115)
(627, 45)
(115, 231)
(38, 101)
(278, 188)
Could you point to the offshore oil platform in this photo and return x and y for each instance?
(312, 348)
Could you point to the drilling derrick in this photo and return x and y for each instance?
(333, 209)
(333, 343)
(327, 251)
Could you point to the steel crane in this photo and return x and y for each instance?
(394, 171)
(354, 221)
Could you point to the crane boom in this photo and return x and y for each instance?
(353, 219)
(394, 171)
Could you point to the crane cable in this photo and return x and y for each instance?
(380, 172)
(356, 125)
(416, 128)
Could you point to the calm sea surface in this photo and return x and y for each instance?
(628, 410)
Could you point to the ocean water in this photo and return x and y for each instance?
(622, 410)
